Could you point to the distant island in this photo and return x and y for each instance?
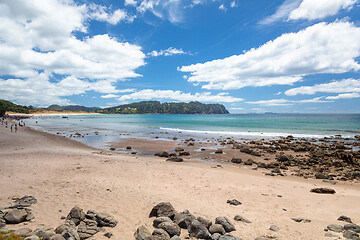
(144, 107)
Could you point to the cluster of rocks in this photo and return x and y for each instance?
(168, 224)
(348, 231)
(78, 225)
(175, 156)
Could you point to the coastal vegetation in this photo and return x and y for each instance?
(6, 106)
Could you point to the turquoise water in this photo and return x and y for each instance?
(248, 126)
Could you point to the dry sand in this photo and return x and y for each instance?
(62, 173)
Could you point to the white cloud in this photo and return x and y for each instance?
(321, 48)
(278, 93)
(128, 90)
(318, 9)
(37, 41)
(130, 2)
(236, 108)
(150, 94)
(285, 102)
(233, 4)
(171, 10)
(167, 52)
(103, 13)
(342, 86)
(222, 7)
(344, 96)
(110, 96)
(282, 12)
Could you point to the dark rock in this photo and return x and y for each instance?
(345, 219)
(70, 234)
(112, 149)
(56, 237)
(68, 224)
(142, 233)
(323, 190)
(245, 150)
(241, 219)
(159, 220)
(16, 216)
(175, 238)
(320, 176)
(236, 160)
(234, 202)
(163, 154)
(304, 220)
(128, 147)
(76, 215)
(207, 223)
(163, 209)
(350, 235)
(171, 228)
(328, 234)
(282, 158)
(217, 228)
(198, 230)
(229, 237)
(335, 228)
(219, 151)
(26, 201)
(105, 220)
(179, 149)
(248, 162)
(276, 171)
(160, 234)
(216, 236)
(261, 165)
(87, 228)
(108, 234)
(352, 227)
(185, 153)
(183, 219)
(175, 159)
(226, 223)
(274, 228)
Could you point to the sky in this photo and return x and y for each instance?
(252, 56)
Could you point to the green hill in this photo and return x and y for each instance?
(76, 108)
(6, 106)
(166, 108)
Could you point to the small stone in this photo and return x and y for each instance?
(328, 234)
(175, 159)
(32, 237)
(345, 219)
(128, 147)
(171, 228)
(142, 233)
(108, 234)
(23, 232)
(226, 223)
(236, 160)
(234, 202)
(160, 234)
(274, 228)
(105, 220)
(241, 219)
(207, 223)
(159, 220)
(217, 228)
(301, 220)
(219, 151)
(229, 237)
(323, 190)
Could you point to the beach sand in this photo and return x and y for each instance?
(62, 173)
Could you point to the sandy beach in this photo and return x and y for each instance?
(62, 173)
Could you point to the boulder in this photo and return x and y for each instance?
(320, 176)
(70, 234)
(219, 151)
(185, 153)
(26, 201)
(160, 234)
(32, 237)
(171, 228)
(323, 190)
(179, 149)
(352, 227)
(76, 215)
(142, 233)
(87, 228)
(335, 228)
(207, 223)
(105, 220)
(229, 237)
(159, 220)
(236, 160)
(226, 223)
(162, 154)
(183, 219)
(163, 209)
(175, 159)
(350, 235)
(16, 216)
(68, 224)
(282, 158)
(175, 238)
(198, 230)
(217, 228)
(248, 162)
(23, 232)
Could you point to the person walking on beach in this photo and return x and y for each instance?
(11, 127)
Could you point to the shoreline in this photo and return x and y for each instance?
(62, 173)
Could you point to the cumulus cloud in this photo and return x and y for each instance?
(104, 14)
(285, 102)
(167, 52)
(37, 42)
(342, 86)
(150, 94)
(130, 2)
(344, 96)
(310, 9)
(321, 48)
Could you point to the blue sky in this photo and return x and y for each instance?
(251, 56)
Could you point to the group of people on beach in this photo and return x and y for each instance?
(13, 127)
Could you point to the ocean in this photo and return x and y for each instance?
(99, 129)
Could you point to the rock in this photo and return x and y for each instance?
(323, 190)
(335, 228)
(207, 223)
(105, 220)
(185, 153)
(26, 201)
(304, 220)
(16, 216)
(282, 158)
(163, 209)
(179, 149)
(234, 202)
(108, 234)
(68, 224)
(128, 147)
(229, 237)
(2, 223)
(329, 181)
(160, 234)
(39, 232)
(76, 215)
(262, 238)
(159, 220)
(236, 160)
(48, 235)
(175, 238)
(32, 237)
(245, 150)
(226, 223)
(23, 232)
(248, 162)
(216, 236)
(198, 230)
(163, 154)
(87, 228)
(142, 233)
(217, 228)
(274, 228)
(241, 219)
(71, 234)
(112, 149)
(331, 235)
(183, 219)
(276, 171)
(350, 235)
(175, 159)
(219, 151)
(352, 227)
(320, 176)
(171, 228)
(56, 237)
